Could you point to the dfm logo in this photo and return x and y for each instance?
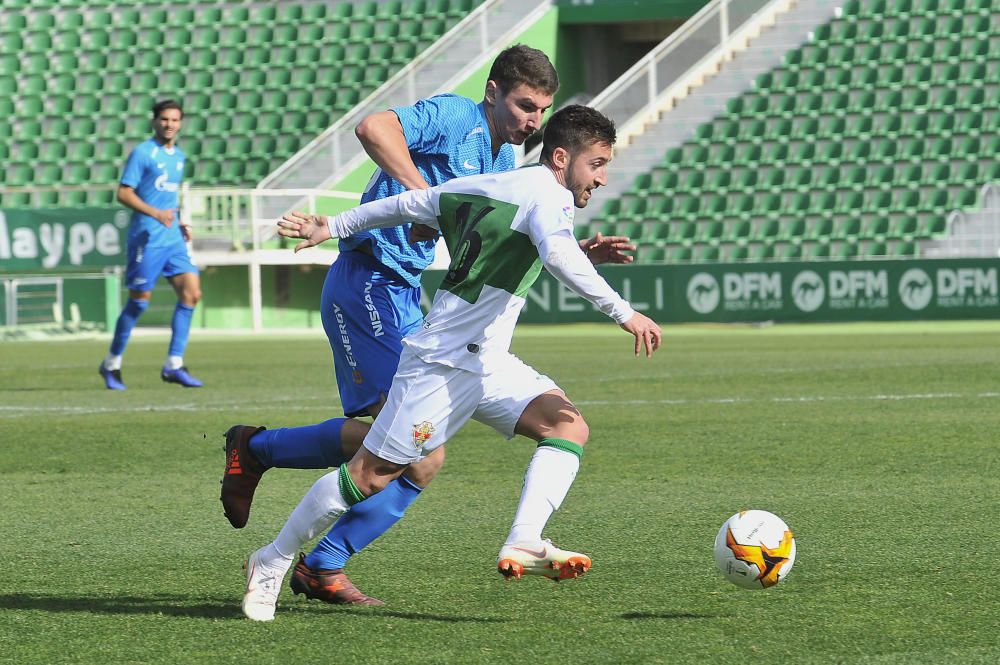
(703, 293)
(808, 291)
(738, 291)
(915, 289)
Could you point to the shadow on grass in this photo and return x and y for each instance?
(185, 606)
(182, 606)
(676, 616)
(414, 616)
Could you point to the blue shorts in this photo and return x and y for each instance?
(367, 309)
(146, 264)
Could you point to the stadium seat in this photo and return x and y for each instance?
(651, 254)
(681, 233)
(845, 251)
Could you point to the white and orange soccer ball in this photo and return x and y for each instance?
(755, 549)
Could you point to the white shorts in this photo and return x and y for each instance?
(429, 402)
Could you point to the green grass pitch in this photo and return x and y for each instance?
(876, 443)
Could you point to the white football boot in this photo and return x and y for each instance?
(541, 558)
(263, 584)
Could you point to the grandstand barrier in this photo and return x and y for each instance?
(59, 302)
(891, 290)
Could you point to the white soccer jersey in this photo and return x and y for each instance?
(495, 226)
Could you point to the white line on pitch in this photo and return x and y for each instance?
(801, 399)
(18, 411)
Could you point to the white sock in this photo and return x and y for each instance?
(546, 482)
(112, 362)
(174, 362)
(271, 558)
(318, 510)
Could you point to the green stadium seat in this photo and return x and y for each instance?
(788, 252)
(876, 228)
(18, 175)
(706, 254)
(375, 75)
(905, 249)
(664, 182)
(651, 254)
(27, 130)
(846, 228)
(631, 230)
(708, 233)
(656, 233)
(737, 231)
(633, 209)
(793, 230)
(714, 206)
(905, 200)
(817, 251)
(678, 254)
(934, 226)
(758, 252)
(346, 100)
(820, 230)
(735, 254)
(845, 251)
(603, 227)
(661, 208)
(681, 233)
(740, 206)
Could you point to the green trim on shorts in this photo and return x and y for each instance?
(563, 444)
(348, 489)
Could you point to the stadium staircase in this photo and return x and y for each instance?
(257, 80)
(860, 143)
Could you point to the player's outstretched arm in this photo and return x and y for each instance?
(647, 334)
(608, 249)
(312, 229)
(418, 204)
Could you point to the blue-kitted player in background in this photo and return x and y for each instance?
(156, 245)
(371, 300)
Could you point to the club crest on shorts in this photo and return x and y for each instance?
(358, 379)
(421, 433)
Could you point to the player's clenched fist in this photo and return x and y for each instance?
(647, 334)
(313, 229)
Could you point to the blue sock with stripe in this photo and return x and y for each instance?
(309, 447)
(126, 321)
(362, 524)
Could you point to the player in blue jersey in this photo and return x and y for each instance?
(156, 245)
(371, 299)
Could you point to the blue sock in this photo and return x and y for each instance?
(362, 524)
(126, 321)
(309, 447)
(180, 325)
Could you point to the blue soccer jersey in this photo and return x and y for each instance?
(448, 137)
(155, 173)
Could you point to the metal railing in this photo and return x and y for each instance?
(971, 232)
(471, 43)
(673, 65)
(233, 219)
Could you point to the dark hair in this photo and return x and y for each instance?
(523, 64)
(574, 127)
(160, 107)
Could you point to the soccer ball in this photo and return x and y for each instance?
(755, 549)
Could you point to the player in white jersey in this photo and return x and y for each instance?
(501, 229)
